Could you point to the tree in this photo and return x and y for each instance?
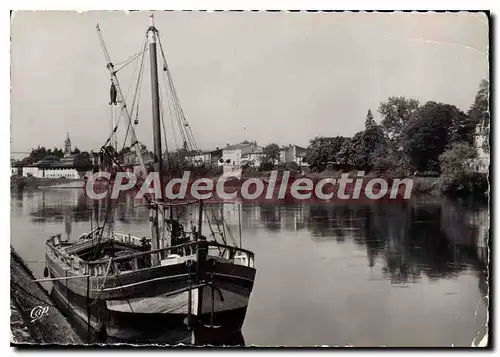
(272, 154)
(462, 128)
(428, 136)
(58, 152)
(457, 160)
(366, 145)
(322, 150)
(345, 156)
(397, 113)
(457, 174)
(386, 162)
(37, 154)
(75, 151)
(369, 122)
(83, 160)
(436, 127)
(479, 110)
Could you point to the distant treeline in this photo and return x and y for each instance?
(430, 139)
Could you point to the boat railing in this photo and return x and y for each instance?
(72, 260)
(99, 267)
(237, 255)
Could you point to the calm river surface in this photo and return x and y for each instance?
(400, 274)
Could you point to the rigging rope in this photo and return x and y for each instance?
(184, 126)
(173, 115)
(174, 108)
(174, 111)
(137, 95)
(221, 231)
(131, 59)
(139, 67)
(134, 142)
(164, 133)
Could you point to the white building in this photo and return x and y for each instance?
(233, 155)
(252, 159)
(202, 158)
(32, 171)
(69, 173)
(482, 163)
(293, 153)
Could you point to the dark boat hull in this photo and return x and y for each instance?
(157, 316)
(160, 332)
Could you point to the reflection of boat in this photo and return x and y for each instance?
(130, 289)
(199, 335)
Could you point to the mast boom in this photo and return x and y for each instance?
(114, 79)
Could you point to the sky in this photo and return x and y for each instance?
(271, 77)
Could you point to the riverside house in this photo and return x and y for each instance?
(234, 156)
(293, 153)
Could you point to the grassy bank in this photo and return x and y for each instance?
(472, 185)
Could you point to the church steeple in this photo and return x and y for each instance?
(67, 145)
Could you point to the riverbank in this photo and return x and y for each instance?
(33, 183)
(28, 301)
(421, 184)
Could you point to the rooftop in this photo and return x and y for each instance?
(240, 146)
(292, 145)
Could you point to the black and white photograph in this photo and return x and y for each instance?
(250, 178)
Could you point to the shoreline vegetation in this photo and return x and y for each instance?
(422, 185)
(444, 150)
(441, 148)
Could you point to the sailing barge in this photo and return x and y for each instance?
(131, 289)
(133, 293)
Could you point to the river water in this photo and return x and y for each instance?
(397, 274)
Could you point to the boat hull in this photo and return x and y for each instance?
(154, 314)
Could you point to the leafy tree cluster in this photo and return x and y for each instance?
(270, 158)
(39, 154)
(47, 157)
(410, 137)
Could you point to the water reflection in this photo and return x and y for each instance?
(181, 335)
(426, 239)
(437, 238)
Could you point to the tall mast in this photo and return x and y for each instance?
(121, 99)
(158, 161)
(155, 98)
(114, 139)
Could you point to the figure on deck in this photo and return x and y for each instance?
(178, 235)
